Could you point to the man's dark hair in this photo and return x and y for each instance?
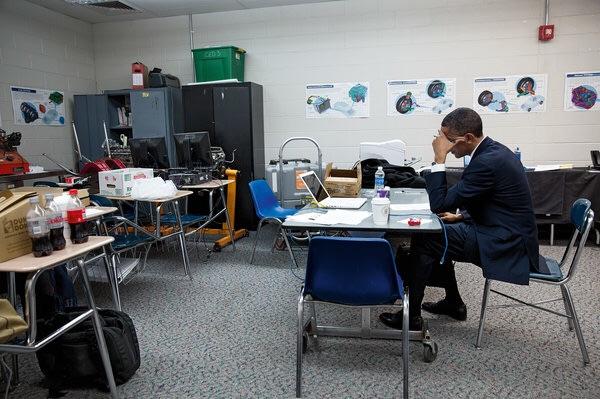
(462, 121)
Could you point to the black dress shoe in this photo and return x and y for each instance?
(394, 320)
(458, 312)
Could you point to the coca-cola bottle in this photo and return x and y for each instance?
(55, 223)
(37, 227)
(76, 219)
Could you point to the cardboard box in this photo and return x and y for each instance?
(119, 182)
(14, 240)
(343, 182)
(83, 193)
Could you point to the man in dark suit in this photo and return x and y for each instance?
(495, 228)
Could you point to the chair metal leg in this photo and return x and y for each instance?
(113, 281)
(98, 331)
(484, 301)
(405, 341)
(256, 239)
(567, 309)
(584, 352)
(299, 338)
(552, 234)
(597, 236)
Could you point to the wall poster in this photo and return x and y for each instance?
(581, 91)
(337, 100)
(420, 96)
(510, 94)
(38, 107)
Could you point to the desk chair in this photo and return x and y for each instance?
(582, 217)
(267, 208)
(119, 227)
(355, 272)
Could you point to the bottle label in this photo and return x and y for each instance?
(75, 216)
(55, 221)
(379, 181)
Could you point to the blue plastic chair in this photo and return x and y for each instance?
(582, 218)
(346, 271)
(267, 208)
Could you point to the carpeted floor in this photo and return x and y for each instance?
(230, 333)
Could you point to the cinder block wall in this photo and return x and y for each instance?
(40, 48)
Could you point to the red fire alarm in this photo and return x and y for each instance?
(546, 32)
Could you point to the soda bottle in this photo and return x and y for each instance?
(379, 179)
(76, 219)
(55, 223)
(518, 153)
(37, 227)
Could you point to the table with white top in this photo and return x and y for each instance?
(156, 206)
(34, 267)
(210, 187)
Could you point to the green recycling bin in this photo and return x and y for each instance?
(218, 63)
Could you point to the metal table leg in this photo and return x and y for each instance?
(287, 243)
(98, 330)
(184, 253)
(12, 296)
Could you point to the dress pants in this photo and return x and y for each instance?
(421, 267)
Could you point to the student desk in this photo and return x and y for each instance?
(157, 205)
(35, 266)
(394, 225)
(210, 187)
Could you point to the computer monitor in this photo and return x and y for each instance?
(149, 153)
(193, 149)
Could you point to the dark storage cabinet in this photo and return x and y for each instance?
(155, 112)
(233, 115)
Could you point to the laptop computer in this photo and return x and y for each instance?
(318, 192)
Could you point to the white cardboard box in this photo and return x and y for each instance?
(119, 182)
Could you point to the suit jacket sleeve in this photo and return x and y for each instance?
(477, 180)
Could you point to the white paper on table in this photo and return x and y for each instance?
(399, 209)
(331, 217)
(543, 168)
(423, 221)
(91, 212)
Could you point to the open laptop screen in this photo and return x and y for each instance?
(314, 186)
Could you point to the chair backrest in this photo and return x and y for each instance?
(262, 197)
(582, 217)
(352, 271)
(100, 200)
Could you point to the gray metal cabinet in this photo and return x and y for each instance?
(149, 113)
(156, 112)
(89, 112)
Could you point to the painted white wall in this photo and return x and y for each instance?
(374, 41)
(40, 48)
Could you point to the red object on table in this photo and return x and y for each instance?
(414, 221)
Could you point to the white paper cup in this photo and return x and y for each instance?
(381, 210)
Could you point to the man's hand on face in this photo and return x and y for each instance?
(449, 217)
(441, 147)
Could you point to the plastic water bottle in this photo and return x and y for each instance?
(518, 153)
(379, 179)
(55, 220)
(38, 229)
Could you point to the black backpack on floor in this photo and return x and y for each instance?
(74, 357)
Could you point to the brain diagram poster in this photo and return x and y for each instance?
(38, 107)
(337, 100)
(510, 94)
(420, 96)
(581, 91)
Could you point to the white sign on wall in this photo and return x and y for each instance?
(581, 91)
(38, 107)
(420, 96)
(510, 94)
(337, 100)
